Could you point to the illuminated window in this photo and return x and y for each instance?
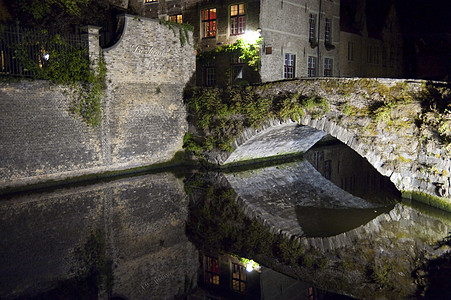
(328, 63)
(312, 28)
(237, 19)
(327, 32)
(176, 19)
(237, 65)
(208, 22)
(311, 66)
(211, 270)
(289, 65)
(150, 1)
(238, 278)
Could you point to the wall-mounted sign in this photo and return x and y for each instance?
(148, 50)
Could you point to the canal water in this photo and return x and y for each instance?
(186, 234)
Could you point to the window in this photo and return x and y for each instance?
(312, 28)
(311, 66)
(210, 73)
(238, 278)
(289, 66)
(176, 19)
(328, 63)
(211, 270)
(150, 1)
(350, 51)
(237, 19)
(327, 33)
(237, 65)
(208, 22)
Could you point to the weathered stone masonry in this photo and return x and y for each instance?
(143, 122)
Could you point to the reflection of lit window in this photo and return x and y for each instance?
(237, 19)
(208, 22)
(327, 32)
(328, 62)
(238, 278)
(312, 28)
(311, 66)
(211, 270)
(289, 66)
(176, 19)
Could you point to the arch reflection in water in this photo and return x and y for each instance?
(280, 194)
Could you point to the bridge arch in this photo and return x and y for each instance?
(396, 148)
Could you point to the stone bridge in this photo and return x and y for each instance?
(383, 120)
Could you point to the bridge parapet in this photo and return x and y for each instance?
(402, 127)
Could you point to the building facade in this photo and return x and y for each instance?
(298, 38)
(371, 40)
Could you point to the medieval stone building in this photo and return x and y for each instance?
(371, 40)
(299, 38)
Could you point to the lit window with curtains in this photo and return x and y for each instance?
(312, 28)
(327, 32)
(289, 66)
(176, 18)
(238, 278)
(328, 62)
(311, 66)
(211, 270)
(208, 22)
(237, 19)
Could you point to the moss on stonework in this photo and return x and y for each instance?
(435, 201)
(222, 114)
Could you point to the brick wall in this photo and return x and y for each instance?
(144, 118)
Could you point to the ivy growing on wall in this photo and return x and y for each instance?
(183, 29)
(249, 53)
(64, 63)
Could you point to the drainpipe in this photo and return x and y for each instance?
(319, 36)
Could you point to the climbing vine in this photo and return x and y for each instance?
(183, 29)
(249, 53)
(64, 63)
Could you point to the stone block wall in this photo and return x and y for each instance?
(143, 122)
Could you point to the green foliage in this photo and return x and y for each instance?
(94, 261)
(40, 8)
(68, 64)
(183, 29)
(88, 102)
(436, 112)
(223, 113)
(249, 53)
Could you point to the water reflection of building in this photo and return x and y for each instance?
(224, 277)
(348, 170)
